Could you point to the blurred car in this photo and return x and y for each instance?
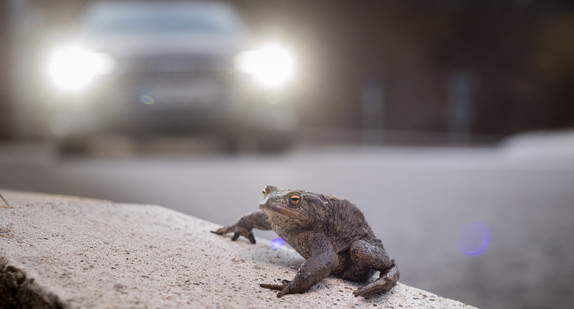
(157, 68)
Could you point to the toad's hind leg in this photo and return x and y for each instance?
(374, 257)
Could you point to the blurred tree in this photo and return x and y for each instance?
(5, 69)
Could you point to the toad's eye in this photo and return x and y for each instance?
(294, 200)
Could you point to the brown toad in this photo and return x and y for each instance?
(330, 233)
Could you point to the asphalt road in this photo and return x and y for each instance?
(490, 227)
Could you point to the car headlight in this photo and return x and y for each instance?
(271, 65)
(74, 68)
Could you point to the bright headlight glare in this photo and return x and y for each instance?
(270, 65)
(74, 68)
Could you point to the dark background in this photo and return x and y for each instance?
(515, 57)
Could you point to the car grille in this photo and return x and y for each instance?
(173, 83)
(172, 66)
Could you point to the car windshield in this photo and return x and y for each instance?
(109, 19)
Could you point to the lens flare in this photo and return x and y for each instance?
(73, 68)
(277, 243)
(474, 239)
(146, 99)
(271, 65)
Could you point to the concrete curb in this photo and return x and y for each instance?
(67, 252)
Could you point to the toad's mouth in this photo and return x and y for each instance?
(273, 210)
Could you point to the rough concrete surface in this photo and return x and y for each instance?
(60, 251)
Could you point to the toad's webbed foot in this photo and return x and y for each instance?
(368, 256)
(383, 284)
(283, 288)
(237, 231)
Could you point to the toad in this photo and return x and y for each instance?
(330, 233)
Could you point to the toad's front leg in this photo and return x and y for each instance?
(314, 269)
(245, 225)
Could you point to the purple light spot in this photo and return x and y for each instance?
(474, 239)
(277, 243)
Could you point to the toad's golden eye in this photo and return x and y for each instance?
(294, 200)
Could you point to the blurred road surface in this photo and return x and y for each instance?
(418, 201)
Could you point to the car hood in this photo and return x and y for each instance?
(134, 45)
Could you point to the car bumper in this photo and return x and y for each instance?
(190, 106)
